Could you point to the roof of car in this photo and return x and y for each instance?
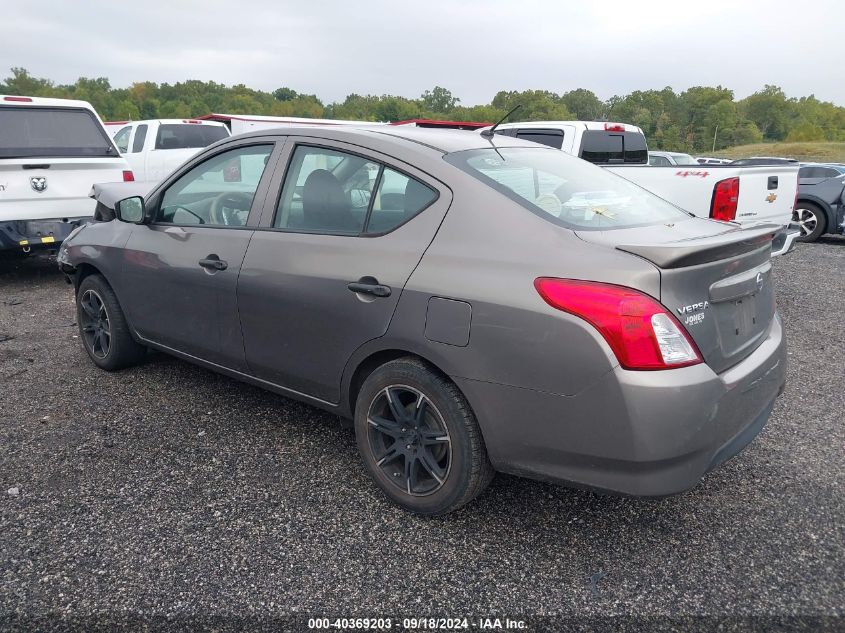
(19, 100)
(441, 140)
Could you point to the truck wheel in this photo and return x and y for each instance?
(103, 328)
(419, 439)
(810, 219)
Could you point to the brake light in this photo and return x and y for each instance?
(24, 99)
(128, 176)
(614, 127)
(797, 185)
(725, 198)
(641, 332)
(190, 121)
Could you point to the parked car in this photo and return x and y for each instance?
(156, 147)
(456, 306)
(750, 195)
(707, 160)
(665, 159)
(51, 152)
(819, 171)
(819, 207)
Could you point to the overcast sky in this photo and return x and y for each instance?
(472, 47)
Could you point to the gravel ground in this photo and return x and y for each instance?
(169, 496)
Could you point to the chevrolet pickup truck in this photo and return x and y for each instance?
(51, 152)
(746, 195)
(156, 147)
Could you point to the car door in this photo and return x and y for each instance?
(180, 270)
(338, 240)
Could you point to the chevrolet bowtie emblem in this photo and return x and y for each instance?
(771, 197)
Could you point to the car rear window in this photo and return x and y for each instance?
(184, 135)
(601, 147)
(41, 131)
(564, 190)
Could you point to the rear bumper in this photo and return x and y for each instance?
(784, 241)
(28, 234)
(633, 433)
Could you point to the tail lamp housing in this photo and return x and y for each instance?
(642, 333)
(725, 199)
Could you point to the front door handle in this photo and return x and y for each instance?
(369, 286)
(213, 262)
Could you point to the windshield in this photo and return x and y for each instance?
(188, 135)
(684, 159)
(565, 190)
(40, 131)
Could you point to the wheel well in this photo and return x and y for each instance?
(83, 271)
(376, 360)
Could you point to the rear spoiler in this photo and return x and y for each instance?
(708, 249)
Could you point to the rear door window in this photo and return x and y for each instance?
(187, 135)
(398, 199)
(43, 131)
(601, 147)
(552, 138)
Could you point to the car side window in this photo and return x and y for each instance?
(121, 139)
(326, 191)
(658, 161)
(140, 137)
(218, 191)
(398, 199)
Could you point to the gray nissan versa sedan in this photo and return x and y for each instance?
(474, 304)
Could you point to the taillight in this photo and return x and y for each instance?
(641, 332)
(725, 198)
(128, 176)
(614, 127)
(24, 99)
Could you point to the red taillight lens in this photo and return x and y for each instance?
(24, 99)
(725, 198)
(128, 176)
(640, 331)
(614, 127)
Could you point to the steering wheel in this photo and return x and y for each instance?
(234, 201)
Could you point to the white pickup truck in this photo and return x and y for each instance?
(51, 152)
(156, 147)
(742, 194)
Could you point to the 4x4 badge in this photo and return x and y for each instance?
(39, 183)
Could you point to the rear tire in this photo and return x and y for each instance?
(811, 219)
(419, 439)
(103, 328)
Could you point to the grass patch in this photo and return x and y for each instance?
(806, 152)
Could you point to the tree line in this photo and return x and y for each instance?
(690, 121)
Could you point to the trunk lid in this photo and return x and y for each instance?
(715, 278)
(50, 188)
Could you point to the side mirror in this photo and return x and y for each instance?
(130, 210)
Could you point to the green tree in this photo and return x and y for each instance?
(583, 104)
(439, 100)
(769, 110)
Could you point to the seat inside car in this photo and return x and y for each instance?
(324, 204)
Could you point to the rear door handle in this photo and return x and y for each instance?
(213, 262)
(370, 288)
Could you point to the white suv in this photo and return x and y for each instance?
(51, 152)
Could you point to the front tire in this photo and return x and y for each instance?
(103, 328)
(810, 219)
(419, 439)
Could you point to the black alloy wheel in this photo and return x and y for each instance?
(409, 440)
(94, 323)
